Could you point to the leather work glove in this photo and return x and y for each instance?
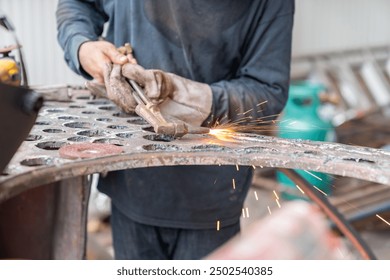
(118, 89)
(177, 97)
(115, 88)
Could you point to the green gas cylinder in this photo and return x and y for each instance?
(300, 120)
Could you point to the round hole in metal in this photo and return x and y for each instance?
(42, 123)
(137, 121)
(149, 129)
(78, 125)
(55, 110)
(76, 106)
(112, 141)
(78, 139)
(53, 130)
(160, 147)
(83, 97)
(33, 137)
(68, 118)
(108, 108)
(359, 160)
(159, 137)
(99, 102)
(125, 135)
(310, 152)
(38, 161)
(123, 115)
(104, 119)
(117, 126)
(93, 133)
(50, 145)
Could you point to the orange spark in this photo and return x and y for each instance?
(218, 225)
(225, 131)
(234, 184)
(246, 112)
(257, 198)
(223, 134)
(315, 176)
(341, 252)
(269, 210)
(321, 191)
(277, 202)
(300, 189)
(276, 195)
(261, 103)
(383, 219)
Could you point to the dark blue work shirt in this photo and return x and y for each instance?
(241, 48)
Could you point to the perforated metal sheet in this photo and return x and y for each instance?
(83, 120)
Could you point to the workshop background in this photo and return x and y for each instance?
(327, 36)
(319, 26)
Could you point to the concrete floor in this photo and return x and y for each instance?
(258, 204)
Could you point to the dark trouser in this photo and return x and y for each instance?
(135, 241)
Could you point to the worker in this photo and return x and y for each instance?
(204, 62)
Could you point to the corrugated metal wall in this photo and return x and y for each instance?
(320, 25)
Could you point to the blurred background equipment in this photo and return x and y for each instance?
(10, 71)
(358, 78)
(300, 119)
(19, 106)
(9, 68)
(18, 111)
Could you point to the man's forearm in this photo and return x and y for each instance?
(77, 22)
(260, 86)
(233, 101)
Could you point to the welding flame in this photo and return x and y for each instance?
(220, 131)
(224, 134)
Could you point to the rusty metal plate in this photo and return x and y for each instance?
(80, 119)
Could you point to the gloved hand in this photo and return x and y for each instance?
(178, 97)
(115, 88)
(118, 89)
(102, 60)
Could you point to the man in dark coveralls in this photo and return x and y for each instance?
(216, 59)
